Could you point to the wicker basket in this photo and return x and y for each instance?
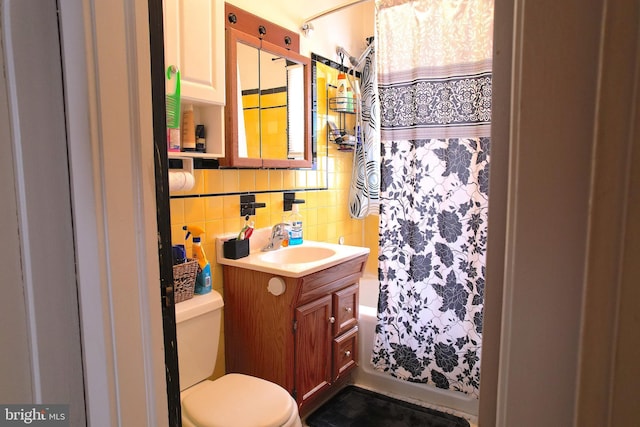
(184, 280)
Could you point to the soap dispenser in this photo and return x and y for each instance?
(295, 226)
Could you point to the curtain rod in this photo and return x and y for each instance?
(330, 11)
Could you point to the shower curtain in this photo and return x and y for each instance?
(364, 191)
(434, 73)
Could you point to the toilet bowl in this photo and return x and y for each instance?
(233, 400)
(237, 400)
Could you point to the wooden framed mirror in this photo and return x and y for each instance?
(268, 108)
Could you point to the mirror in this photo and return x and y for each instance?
(268, 111)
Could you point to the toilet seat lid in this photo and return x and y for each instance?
(237, 400)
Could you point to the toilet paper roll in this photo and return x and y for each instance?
(181, 180)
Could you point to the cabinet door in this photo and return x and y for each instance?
(345, 309)
(345, 353)
(313, 348)
(194, 41)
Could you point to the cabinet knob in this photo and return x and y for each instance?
(332, 319)
(348, 309)
(347, 353)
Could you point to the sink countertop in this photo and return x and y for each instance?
(256, 262)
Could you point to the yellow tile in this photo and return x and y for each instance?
(331, 180)
(213, 182)
(311, 216)
(330, 166)
(311, 233)
(288, 180)
(324, 215)
(194, 210)
(177, 235)
(232, 225)
(262, 180)
(323, 198)
(216, 275)
(230, 180)
(321, 233)
(213, 208)
(275, 180)
(214, 228)
(231, 207)
(312, 179)
(311, 199)
(276, 204)
(263, 220)
(247, 180)
(176, 207)
(301, 179)
(266, 211)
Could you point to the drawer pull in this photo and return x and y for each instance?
(347, 353)
(332, 319)
(348, 309)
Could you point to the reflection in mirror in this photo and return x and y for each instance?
(248, 101)
(273, 106)
(296, 118)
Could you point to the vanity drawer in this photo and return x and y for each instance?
(330, 280)
(345, 309)
(345, 353)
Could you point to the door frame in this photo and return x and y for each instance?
(106, 63)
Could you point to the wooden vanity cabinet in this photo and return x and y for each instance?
(305, 340)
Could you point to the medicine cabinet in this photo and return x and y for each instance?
(268, 102)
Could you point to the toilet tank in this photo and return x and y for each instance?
(198, 323)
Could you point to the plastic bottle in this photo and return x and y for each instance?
(188, 130)
(201, 142)
(349, 100)
(341, 93)
(203, 279)
(295, 231)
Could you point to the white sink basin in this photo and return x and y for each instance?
(293, 261)
(297, 254)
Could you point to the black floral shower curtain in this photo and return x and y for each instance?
(435, 106)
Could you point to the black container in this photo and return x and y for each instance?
(235, 249)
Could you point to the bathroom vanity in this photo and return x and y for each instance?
(299, 332)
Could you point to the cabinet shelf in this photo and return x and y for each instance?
(340, 104)
(192, 155)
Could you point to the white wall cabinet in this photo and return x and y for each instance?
(194, 41)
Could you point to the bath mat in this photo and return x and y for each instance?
(357, 407)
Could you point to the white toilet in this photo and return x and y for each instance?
(234, 400)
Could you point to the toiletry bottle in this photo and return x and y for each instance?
(349, 100)
(178, 254)
(341, 93)
(203, 279)
(295, 232)
(188, 130)
(201, 142)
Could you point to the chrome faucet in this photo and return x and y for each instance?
(278, 235)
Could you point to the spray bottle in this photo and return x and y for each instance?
(203, 279)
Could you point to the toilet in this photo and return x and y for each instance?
(234, 400)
